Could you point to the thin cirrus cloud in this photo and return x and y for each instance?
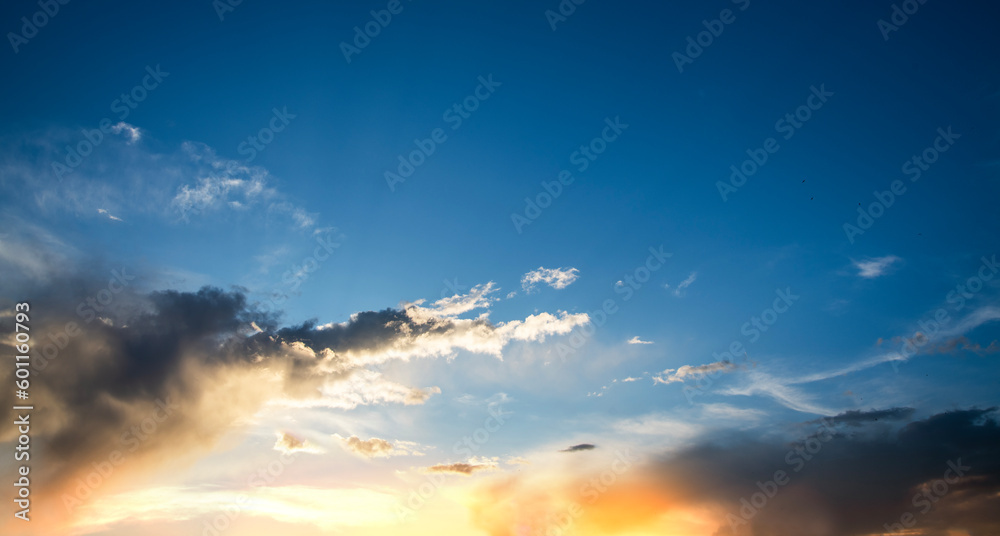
(687, 371)
(474, 465)
(875, 267)
(637, 340)
(683, 285)
(557, 278)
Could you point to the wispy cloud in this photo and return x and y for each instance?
(109, 215)
(474, 465)
(688, 371)
(557, 278)
(679, 290)
(378, 448)
(872, 268)
(637, 340)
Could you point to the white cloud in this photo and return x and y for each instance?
(109, 215)
(637, 340)
(557, 278)
(131, 132)
(687, 371)
(872, 268)
(679, 291)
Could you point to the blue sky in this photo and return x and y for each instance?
(169, 194)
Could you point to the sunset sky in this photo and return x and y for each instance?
(503, 269)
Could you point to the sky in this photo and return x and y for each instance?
(506, 269)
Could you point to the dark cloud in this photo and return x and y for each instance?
(953, 346)
(460, 468)
(849, 484)
(578, 448)
(859, 417)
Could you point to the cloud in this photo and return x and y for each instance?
(952, 346)
(872, 268)
(860, 418)
(557, 278)
(331, 510)
(289, 444)
(679, 291)
(578, 448)
(844, 482)
(758, 382)
(474, 465)
(687, 371)
(109, 215)
(637, 340)
(131, 132)
(369, 448)
(128, 178)
(191, 364)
